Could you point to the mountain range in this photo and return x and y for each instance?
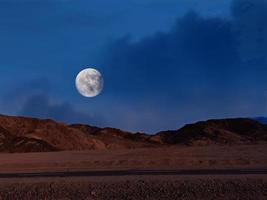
(22, 134)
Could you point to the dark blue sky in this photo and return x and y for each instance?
(165, 62)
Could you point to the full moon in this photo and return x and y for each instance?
(89, 82)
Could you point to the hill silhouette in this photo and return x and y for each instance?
(221, 131)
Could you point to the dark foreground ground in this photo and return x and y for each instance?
(174, 157)
(243, 187)
(136, 186)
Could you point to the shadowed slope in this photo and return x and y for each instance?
(56, 134)
(223, 131)
(49, 135)
(21, 134)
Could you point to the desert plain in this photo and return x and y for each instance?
(40, 159)
(248, 186)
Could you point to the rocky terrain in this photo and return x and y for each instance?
(137, 188)
(223, 131)
(52, 146)
(21, 134)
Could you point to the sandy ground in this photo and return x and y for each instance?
(220, 187)
(137, 188)
(244, 156)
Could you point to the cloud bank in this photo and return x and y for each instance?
(41, 106)
(202, 67)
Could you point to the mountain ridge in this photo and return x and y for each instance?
(24, 134)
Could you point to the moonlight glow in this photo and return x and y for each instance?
(89, 82)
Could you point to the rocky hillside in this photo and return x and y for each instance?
(223, 131)
(21, 134)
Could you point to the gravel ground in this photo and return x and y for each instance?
(179, 157)
(137, 188)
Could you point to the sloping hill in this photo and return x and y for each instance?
(116, 138)
(223, 131)
(57, 135)
(21, 134)
(11, 143)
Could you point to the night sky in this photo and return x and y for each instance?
(165, 62)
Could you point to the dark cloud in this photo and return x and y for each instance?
(41, 106)
(13, 99)
(195, 51)
(34, 99)
(202, 67)
(250, 25)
